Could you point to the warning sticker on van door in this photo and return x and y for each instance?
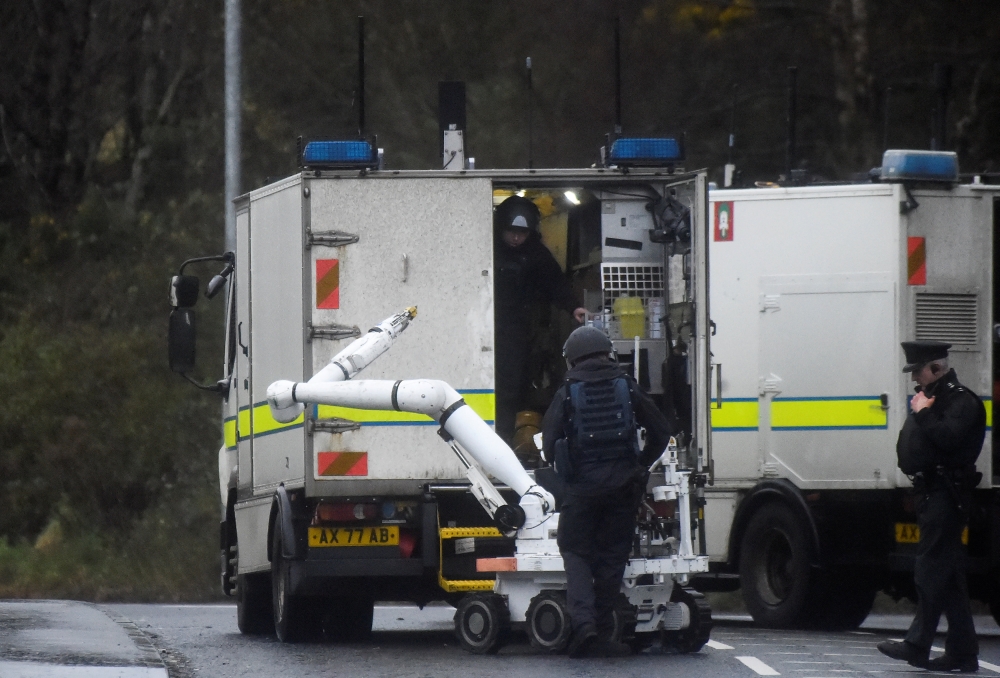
(327, 283)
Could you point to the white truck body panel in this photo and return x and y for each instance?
(811, 295)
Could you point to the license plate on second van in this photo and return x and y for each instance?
(354, 536)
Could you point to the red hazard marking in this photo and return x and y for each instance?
(327, 283)
(916, 261)
(342, 463)
(723, 231)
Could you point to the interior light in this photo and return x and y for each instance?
(520, 193)
(571, 196)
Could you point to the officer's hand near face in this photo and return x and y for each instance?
(580, 315)
(920, 401)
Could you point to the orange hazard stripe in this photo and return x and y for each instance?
(916, 261)
(342, 463)
(327, 283)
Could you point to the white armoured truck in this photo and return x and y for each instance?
(529, 590)
(345, 506)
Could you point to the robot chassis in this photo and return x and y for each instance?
(529, 592)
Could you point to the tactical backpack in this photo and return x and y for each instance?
(600, 426)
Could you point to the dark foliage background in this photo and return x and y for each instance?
(111, 158)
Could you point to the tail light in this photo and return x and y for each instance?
(340, 512)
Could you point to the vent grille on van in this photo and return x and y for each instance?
(953, 318)
(620, 280)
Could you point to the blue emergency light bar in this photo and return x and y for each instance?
(339, 154)
(645, 151)
(920, 166)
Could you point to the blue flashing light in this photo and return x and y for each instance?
(350, 153)
(920, 166)
(647, 150)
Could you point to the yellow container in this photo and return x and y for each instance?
(631, 317)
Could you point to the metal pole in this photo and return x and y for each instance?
(234, 114)
(361, 77)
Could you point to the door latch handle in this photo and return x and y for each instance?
(239, 339)
(884, 400)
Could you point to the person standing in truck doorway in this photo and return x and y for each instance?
(527, 279)
(590, 433)
(938, 447)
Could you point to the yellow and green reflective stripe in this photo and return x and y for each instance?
(481, 401)
(818, 414)
(736, 414)
(988, 402)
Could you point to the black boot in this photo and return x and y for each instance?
(904, 651)
(583, 639)
(947, 662)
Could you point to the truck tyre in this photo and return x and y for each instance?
(775, 573)
(253, 604)
(482, 623)
(295, 618)
(349, 619)
(548, 621)
(694, 637)
(847, 599)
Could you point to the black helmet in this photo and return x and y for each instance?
(516, 212)
(586, 341)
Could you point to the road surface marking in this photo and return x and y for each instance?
(862, 633)
(759, 667)
(715, 645)
(986, 665)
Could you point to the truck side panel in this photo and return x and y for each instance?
(276, 329)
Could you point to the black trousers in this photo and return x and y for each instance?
(595, 540)
(939, 575)
(513, 345)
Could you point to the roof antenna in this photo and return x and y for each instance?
(361, 77)
(531, 98)
(618, 75)
(790, 150)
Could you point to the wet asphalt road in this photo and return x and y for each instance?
(202, 640)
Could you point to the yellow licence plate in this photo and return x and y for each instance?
(909, 533)
(354, 536)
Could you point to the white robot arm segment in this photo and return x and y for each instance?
(358, 355)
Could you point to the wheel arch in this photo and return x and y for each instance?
(779, 491)
(281, 515)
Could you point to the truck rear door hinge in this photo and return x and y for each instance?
(330, 238)
(331, 426)
(332, 332)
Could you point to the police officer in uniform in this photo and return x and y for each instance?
(589, 431)
(527, 280)
(937, 448)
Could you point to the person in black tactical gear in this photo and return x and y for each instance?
(590, 432)
(527, 280)
(938, 448)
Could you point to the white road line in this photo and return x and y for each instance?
(990, 667)
(862, 633)
(759, 667)
(715, 645)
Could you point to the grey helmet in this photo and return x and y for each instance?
(586, 341)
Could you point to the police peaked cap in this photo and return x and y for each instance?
(919, 353)
(517, 212)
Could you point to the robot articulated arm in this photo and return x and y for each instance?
(461, 427)
(357, 356)
(459, 424)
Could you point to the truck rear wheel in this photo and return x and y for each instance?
(295, 618)
(775, 574)
(349, 619)
(253, 604)
(482, 623)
